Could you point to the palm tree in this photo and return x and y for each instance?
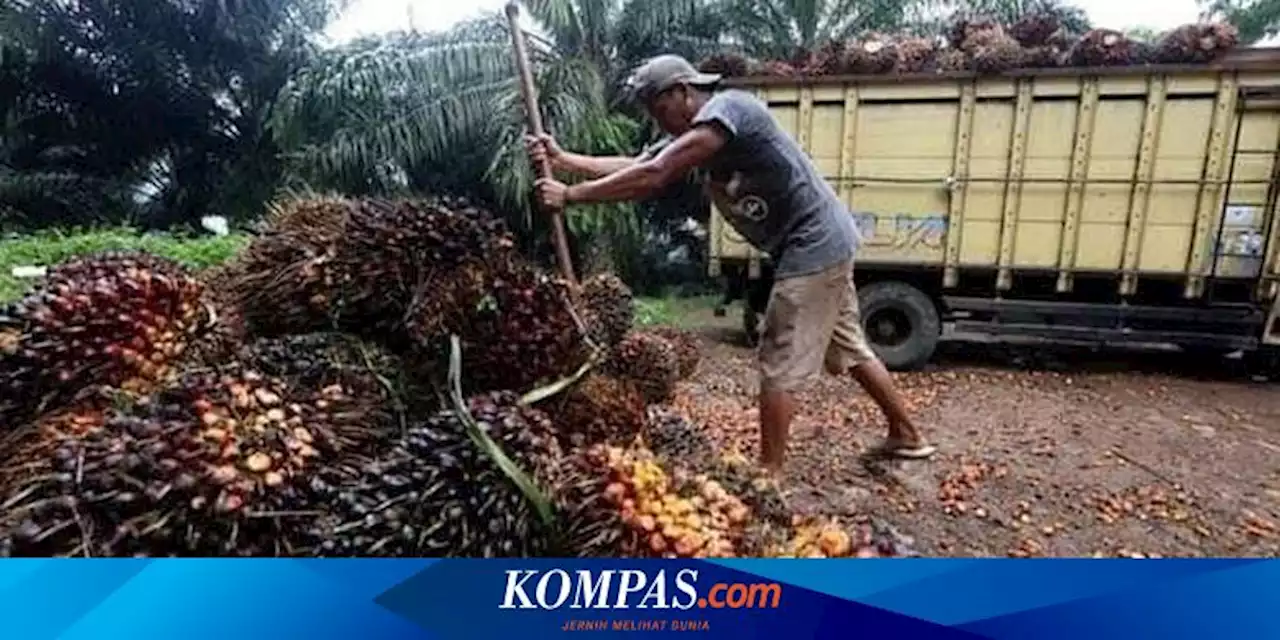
(779, 28)
(148, 107)
(412, 112)
(1256, 19)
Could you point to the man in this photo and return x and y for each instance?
(770, 191)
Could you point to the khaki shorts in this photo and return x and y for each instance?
(812, 322)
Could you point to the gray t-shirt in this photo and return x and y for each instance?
(767, 188)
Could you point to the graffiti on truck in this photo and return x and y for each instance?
(902, 231)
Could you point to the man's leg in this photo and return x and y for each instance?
(798, 320)
(875, 378)
(777, 408)
(850, 352)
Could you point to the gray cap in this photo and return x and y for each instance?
(663, 72)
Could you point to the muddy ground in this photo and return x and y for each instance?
(1043, 452)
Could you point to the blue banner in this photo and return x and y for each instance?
(740, 599)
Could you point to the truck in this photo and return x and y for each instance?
(1100, 205)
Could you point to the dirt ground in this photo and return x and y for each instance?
(1042, 452)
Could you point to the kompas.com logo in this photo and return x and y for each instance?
(631, 589)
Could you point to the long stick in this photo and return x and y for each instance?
(535, 126)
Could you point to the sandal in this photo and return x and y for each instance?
(893, 449)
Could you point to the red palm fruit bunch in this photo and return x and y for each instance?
(1036, 27)
(953, 60)
(914, 55)
(225, 329)
(687, 346)
(206, 466)
(519, 327)
(648, 361)
(965, 25)
(990, 49)
(598, 409)
(828, 60)
(726, 63)
(1103, 48)
(285, 280)
(392, 247)
(439, 493)
(1196, 43)
(116, 319)
(872, 54)
(608, 308)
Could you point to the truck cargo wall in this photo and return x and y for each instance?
(1158, 174)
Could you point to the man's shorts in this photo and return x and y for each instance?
(811, 322)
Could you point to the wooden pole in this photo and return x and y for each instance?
(534, 116)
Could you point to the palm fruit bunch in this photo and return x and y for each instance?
(996, 55)
(371, 377)
(518, 325)
(965, 26)
(285, 280)
(661, 521)
(872, 54)
(393, 247)
(1196, 43)
(726, 64)
(828, 538)
(116, 319)
(590, 522)
(438, 493)
(226, 329)
(675, 440)
(1036, 27)
(598, 409)
(1144, 52)
(207, 466)
(914, 55)
(25, 467)
(990, 49)
(687, 346)
(1102, 48)
(953, 60)
(608, 308)
(828, 60)
(749, 482)
(1044, 57)
(648, 361)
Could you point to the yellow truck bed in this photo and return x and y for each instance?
(1130, 173)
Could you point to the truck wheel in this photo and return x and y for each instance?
(901, 324)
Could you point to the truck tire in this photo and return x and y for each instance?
(901, 324)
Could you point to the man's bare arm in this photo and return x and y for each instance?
(591, 166)
(645, 178)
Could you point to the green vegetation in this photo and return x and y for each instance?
(672, 311)
(50, 247)
(1256, 19)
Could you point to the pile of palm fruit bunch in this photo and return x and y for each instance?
(1038, 39)
(368, 378)
(217, 461)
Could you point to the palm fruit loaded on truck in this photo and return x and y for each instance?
(1122, 204)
